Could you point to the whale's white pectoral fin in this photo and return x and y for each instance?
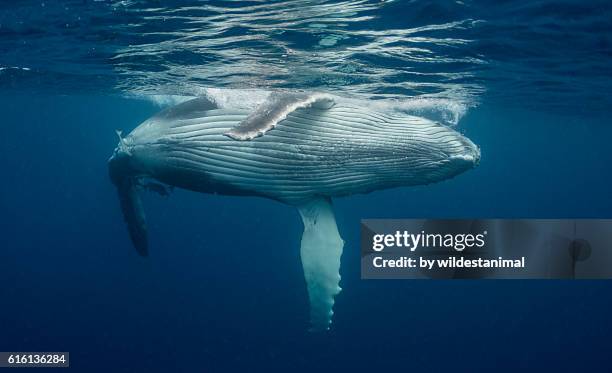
(320, 251)
(276, 108)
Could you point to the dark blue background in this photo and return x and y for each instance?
(223, 288)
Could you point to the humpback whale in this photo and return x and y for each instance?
(298, 148)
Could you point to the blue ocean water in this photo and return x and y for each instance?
(223, 288)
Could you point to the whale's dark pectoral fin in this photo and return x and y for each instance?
(122, 176)
(133, 213)
(320, 252)
(276, 108)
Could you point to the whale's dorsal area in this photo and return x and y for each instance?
(275, 109)
(194, 108)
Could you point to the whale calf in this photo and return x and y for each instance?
(298, 148)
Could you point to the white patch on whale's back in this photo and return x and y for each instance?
(236, 98)
(441, 110)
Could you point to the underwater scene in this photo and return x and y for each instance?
(184, 181)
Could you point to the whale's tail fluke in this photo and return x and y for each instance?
(122, 176)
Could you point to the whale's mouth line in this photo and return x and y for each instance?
(468, 158)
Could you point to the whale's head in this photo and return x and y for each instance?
(431, 152)
(456, 154)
